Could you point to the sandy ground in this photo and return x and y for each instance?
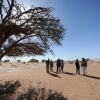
(75, 87)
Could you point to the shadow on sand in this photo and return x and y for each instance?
(72, 74)
(68, 73)
(55, 75)
(94, 77)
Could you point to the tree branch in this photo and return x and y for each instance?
(1, 4)
(10, 10)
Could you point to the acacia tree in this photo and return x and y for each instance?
(27, 31)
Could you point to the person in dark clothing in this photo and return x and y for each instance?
(62, 65)
(51, 66)
(58, 65)
(77, 66)
(84, 66)
(47, 65)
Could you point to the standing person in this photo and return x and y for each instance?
(47, 65)
(84, 66)
(62, 65)
(58, 65)
(51, 66)
(77, 66)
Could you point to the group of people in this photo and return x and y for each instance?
(49, 66)
(59, 64)
(83, 65)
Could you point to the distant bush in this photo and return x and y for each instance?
(33, 60)
(88, 59)
(43, 60)
(6, 61)
(8, 92)
(70, 62)
(23, 62)
(18, 61)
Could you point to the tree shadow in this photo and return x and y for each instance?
(55, 75)
(57, 72)
(94, 77)
(69, 73)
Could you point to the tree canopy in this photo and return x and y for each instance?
(27, 31)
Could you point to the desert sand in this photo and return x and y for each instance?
(74, 87)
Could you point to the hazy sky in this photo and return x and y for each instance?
(81, 19)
